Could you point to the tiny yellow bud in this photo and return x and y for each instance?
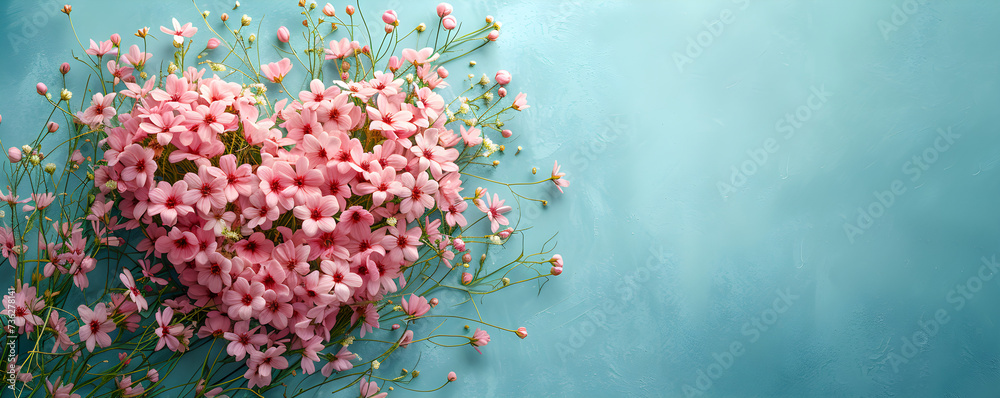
(421, 27)
(245, 20)
(496, 163)
(65, 95)
(472, 63)
(534, 170)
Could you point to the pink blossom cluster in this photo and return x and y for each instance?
(285, 221)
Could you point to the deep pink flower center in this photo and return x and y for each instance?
(95, 326)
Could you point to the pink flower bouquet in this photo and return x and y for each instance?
(222, 212)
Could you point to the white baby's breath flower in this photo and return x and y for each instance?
(463, 109)
(65, 95)
(348, 341)
(489, 147)
(391, 221)
(3, 214)
(495, 239)
(376, 364)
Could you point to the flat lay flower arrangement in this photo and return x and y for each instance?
(213, 213)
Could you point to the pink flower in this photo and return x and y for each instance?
(215, 273)
(209, 190)
(208, 121)
(444, 9)
(493, 35)
(133, 289)
(186, 31)
(494, 210)
(416, 306)
(243, 340)
(317, 214)
(213, 43)
(139, 164)
(449, 22)
(170, 201)
(520, 102)
(180, 246)
(466, 278)
(100, 111)
(166, 332)
(125, 384)
(557, 177)
(502, 77)
(268, 360)
(121, 72)
(151, 272)
(283, 34)
(328, 10)
(95, 326)
(276, 71)
(62, 391)
(237, 178)
(370, 390)
(42, 201)
(345, 282)
(341, 362)
(135, 57)
(244, 299)
(340, 49)
(555, 271)
(471, 137)
(105, 47)
(522, 332)
(381, 184)
(424, 56)
(153, 375)
(479, 339)
(419, 194)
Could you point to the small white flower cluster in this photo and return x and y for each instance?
(489, 147)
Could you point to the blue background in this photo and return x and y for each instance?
(672, 261)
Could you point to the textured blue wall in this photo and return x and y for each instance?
(770, 198)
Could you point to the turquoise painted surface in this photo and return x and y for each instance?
(843, 257)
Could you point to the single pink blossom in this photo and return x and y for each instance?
(494, 210)
(559, 178)
(95, 326)
(415, 306)
(276, 71)
(133, 289)
(105, 47)
(186, 31)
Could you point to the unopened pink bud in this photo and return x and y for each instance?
(366, 49)
(459, 244)
(522, 332)
(449, 22)
(53, 126)
(467, 257)
(64, 68)
(502, 77)
(556, 271)
(434, 302)
(557, 260)
(389, 28)
(328, 10)
(213, 43)
(395, 63)
(489, 19)
(442, 72)
(466, 278)
(444, 9)
(14, 155)
(395, 326)
(506, 233)
(153, 375)
(344, 76)
(116, 39)
(283, 34)
(350, 10)
(452, 376)
(40, 87)
(506, 133)
(389, 17)
(502, 92)
(493, 35)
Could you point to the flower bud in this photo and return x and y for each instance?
(505, 281)
(116, 39)
(245, 20)
(224, 17)
(14, 155)
(53, 126)
(395, 326)
(452, 376)
(444, 9)
(213, 43)
(442, 72)
(141, 33)
(389, 17)
(556, 271)
(65, 95)
(422, 27)
(467, 257)
(153, 375)
(252, 39)
(502, 77)
(40, 87)
(389, 28)
(506, 133)
(557, 260)
(328, 10)
(449, 22)
(489, 19)
(350, 10)
(283, 34)
(458, 244)
(522, 332)
(434, 302)
(64, 68)
(50, 168)
(466, 278)
(493, 35)
(67, 9)
(506, 233)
